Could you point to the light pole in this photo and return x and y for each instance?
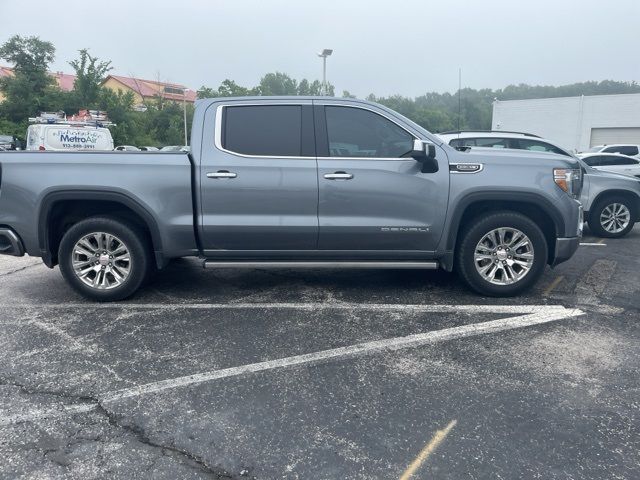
(184, 112)
(324, 54)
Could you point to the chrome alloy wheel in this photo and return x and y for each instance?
(101, 261)
(503, 256)
(615, 217)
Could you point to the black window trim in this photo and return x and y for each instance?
(321, 106)
(218, 128)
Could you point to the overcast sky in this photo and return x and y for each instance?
(383, 47)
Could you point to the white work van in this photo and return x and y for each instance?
(65, 137)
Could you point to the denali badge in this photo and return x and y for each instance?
(405, 229)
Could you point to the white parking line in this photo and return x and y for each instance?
(544, 314)
(587, 244)
(530, 315)
(296, 306)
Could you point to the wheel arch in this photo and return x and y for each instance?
(59, 208)
(618, 192)
(534, 206)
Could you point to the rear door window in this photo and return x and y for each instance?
(624, 161)
(263, 130)
(629, 150)
(607, 161)
(492, 142)
(463, 142)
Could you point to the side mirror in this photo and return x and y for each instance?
(425, 153)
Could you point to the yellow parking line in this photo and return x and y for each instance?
(601, 240)
(428, 450)
(553, 285)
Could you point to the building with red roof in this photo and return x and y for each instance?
(147, 90)
(143, 90)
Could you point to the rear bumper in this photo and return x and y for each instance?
(10, 243)
(565, 248)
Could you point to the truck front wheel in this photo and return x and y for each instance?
(104, 259)
(501, 254)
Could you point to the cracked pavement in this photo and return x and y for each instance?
(556, 400)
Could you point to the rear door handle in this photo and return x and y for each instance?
(222, 174)
(338, 176)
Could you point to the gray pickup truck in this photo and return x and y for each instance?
(288, 182)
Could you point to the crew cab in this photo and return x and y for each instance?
(293, 182)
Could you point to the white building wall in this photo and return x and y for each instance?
(567, 121)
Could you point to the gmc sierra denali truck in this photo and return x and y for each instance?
(288, 182)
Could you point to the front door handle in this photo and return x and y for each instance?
(338, 176)
(222, 174)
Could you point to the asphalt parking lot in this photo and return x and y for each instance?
(324, 375)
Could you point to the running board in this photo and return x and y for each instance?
(319, 264)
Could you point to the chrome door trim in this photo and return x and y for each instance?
(218, 129)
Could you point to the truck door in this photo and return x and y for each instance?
(373, 197)
(258, 178)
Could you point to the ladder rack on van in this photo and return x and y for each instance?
(61, 119)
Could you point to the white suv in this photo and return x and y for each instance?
(500, 139)
(627, 149)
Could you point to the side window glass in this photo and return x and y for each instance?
(355, 132)
(625, 161)
(492, 142)
(592, 161)
(263, 130)
(607, 161)
(620, 149)
(629, 150)
(538, 146)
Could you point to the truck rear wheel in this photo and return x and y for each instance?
(501, 254)
(104, 259)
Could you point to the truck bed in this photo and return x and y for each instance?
(157, 184)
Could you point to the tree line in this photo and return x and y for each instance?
(32, 89)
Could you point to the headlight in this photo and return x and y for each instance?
(569, 180)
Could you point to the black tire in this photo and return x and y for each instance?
(596, 211)
(474, 233)
(140, 252)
